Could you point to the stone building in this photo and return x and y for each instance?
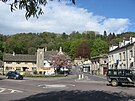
(24, 62)
(123, 55)
(19, 62)
(99, 65)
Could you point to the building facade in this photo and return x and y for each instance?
(19, 62)
(123, 55)
(30, 63)
(99, 65)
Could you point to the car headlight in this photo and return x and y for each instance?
(17, 75)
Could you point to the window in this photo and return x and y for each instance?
(120, 56)
(33, 68)
(127, 72)
(18, 62)
(112, 72)
(109, 58)
(40, 72)
(120, 72)
(26, 62)
(112, 57)
(9, 62)
(124, 56)
(18, 68)
(115, 73)
(131, 53)
(8, 68)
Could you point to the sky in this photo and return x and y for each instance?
(113, 16)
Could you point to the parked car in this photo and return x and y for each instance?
(14, 75)
(120, 76)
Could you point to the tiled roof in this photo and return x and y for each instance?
(19, 58)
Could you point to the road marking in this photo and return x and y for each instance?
(15, 91)
(9, 91)
(71, 85)
(15, 80)
(2, 90)
(56, 85)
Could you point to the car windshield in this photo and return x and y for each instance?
(133, 72)
(16, 73)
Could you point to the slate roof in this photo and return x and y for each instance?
(1, 63)
(47, 54)
(19, 58)
(118, 48)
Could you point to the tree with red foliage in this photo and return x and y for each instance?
(83, 50)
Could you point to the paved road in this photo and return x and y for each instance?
(65, 89)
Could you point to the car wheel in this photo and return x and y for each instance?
(114, 83)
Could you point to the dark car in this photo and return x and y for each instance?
(120, 76)
(14, 75)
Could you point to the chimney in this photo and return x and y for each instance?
(13, 53)
(45, 49)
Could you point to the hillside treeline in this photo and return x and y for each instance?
(86, 44)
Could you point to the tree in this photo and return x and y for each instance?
(83, 50)
(89, 35)
(99, 47)
(59, 61)
(64, 36)
(32, 7)
(32, 50)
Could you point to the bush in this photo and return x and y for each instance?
(35, 72)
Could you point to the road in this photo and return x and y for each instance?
(63, 89)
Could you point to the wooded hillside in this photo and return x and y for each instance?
(86, 44)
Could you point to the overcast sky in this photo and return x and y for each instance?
(62, 17)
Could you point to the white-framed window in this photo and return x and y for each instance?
(18, 68)
(120, 57)
(18, 62)
(33, 68)
(112, 57)
(8, 68)
(131, 53)
(124, 56)
(9, 62)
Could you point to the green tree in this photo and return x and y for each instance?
(99, 47)
(32, 50)
(89, 35)
(1, 55)
(31, 7)
(64, 36)
(75, 35)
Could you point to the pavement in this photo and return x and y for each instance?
(87, 80)
(63, 89)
